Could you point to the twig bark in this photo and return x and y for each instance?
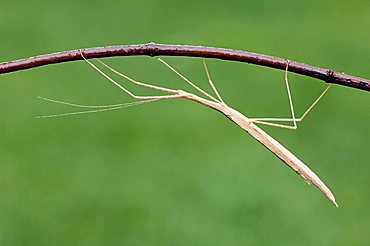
(152, 49)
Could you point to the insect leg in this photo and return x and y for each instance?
(211, 82)
(188, 81)
(293, 119)
(174, 95)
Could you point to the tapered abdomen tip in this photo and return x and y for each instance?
(331, 197)
(335, 203)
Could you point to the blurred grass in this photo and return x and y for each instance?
(173, 172)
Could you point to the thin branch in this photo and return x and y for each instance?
(152, 49)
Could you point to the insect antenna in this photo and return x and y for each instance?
(97, 108)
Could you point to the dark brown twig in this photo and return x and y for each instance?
(152, 49)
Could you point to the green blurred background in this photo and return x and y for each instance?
(175, 172)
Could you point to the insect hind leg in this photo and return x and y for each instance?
(264, 121)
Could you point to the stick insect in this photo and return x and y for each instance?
(217, 103)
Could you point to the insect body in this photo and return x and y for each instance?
(248, 124)
(270, 143)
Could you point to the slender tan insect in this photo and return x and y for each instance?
(248, 124)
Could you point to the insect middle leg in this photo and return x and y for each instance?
(188, 81)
